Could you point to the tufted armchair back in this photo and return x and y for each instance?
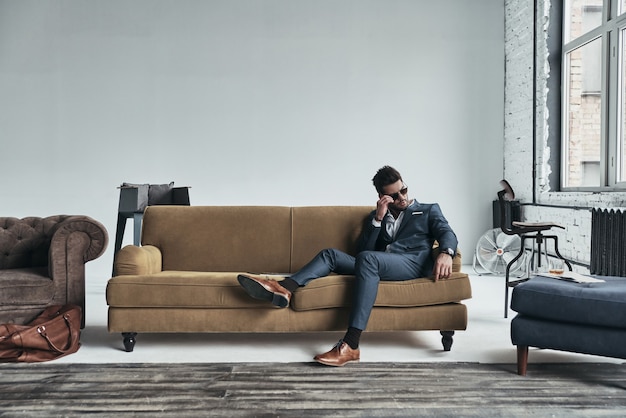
(26, 242)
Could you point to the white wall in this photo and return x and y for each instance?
(264, 102)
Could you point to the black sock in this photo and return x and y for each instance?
(289, 284)
(352, 337)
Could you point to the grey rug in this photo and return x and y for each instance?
(308, 389)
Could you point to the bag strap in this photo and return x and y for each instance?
(41, 329)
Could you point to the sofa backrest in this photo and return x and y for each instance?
(220, 238)
(259, 239)
(319, 227)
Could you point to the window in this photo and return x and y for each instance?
(594, 94)
(622, 112)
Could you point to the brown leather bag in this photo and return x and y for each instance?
(54, 333)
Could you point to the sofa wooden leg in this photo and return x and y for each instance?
(129, 340)
(522, 359)
(446, 339)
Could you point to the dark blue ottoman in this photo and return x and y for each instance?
(587, 318)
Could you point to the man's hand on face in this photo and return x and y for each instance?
(443, 266)
(382, 206)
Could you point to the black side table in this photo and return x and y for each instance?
(134, 198)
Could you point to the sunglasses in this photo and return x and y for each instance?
(402, 192)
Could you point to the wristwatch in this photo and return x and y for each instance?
(448, 251)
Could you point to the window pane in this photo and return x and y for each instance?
(583, 102)
(622, 7)
(621, 175)
(581, 16)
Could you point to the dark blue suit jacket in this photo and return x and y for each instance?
(423, 223)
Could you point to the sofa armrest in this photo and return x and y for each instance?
(134, 260)
(457, 261)
(76, 240)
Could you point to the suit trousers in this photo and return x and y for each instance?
(369, 268)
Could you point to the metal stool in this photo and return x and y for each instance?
(526, 231)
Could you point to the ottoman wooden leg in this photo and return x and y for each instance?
(522, 359)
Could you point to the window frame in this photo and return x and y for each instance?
(612, 48)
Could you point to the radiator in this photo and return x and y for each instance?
(608, 249)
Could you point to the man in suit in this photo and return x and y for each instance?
(395, 244)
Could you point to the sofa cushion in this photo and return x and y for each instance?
(182, 289)
(602, 304)
(221, 290)
(336, 291)
(26, 286)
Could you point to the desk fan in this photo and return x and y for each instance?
(495, 250)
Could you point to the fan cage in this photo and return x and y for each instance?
(495, 249)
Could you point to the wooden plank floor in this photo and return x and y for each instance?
(308, 389)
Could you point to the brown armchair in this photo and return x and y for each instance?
(42, 263)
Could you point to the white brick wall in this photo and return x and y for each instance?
(575, 240)
(518, 132)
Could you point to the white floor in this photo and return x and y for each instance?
(486, 340)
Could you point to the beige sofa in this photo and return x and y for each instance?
(183, 278)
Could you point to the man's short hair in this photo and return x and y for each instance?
(384, 177)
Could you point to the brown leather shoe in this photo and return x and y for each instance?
(264, 289)
(339, 355)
